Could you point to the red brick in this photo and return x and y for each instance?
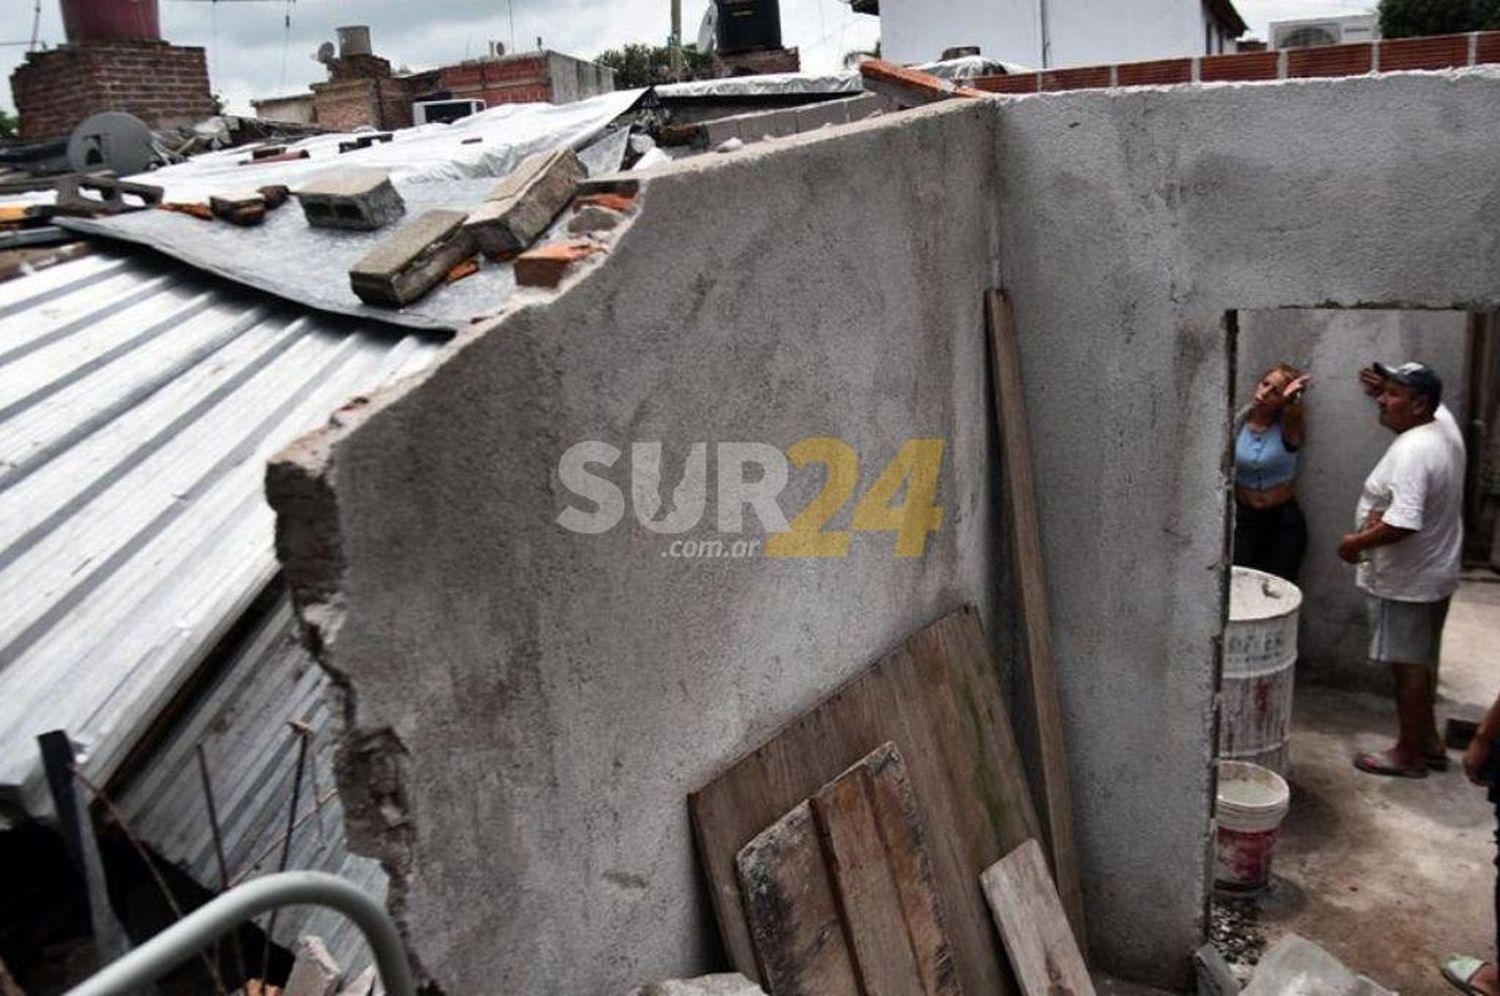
(1488, 48)
(545, 267)
(1239, 66)
(1440, 52)
(1082, 78)
(1330, 60)
(623, 203)
(1013, 83)
(1157, 73)
(911, 79)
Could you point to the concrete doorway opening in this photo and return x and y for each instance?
(1389, 875)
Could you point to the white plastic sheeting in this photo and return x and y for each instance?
(423, 154)
(769, 85)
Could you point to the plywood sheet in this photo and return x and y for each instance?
(938, 697)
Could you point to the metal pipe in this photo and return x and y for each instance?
(210, 922)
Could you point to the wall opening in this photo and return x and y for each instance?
(1344, 853)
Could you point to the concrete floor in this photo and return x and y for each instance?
(1391, 874)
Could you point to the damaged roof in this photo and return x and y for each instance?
(139, 402)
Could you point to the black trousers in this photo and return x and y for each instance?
(1270, 539)
(1491, 771)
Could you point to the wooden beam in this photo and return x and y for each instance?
(1026, 540)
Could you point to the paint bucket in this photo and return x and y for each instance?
(1260, 652)
(1251, 804)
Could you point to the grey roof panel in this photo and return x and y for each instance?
(138, 404)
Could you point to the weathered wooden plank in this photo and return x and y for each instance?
(1026, 540)
(1033, 926)
(871, 832)
(793, 916)
(938, 697)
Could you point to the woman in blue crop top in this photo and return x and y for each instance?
(1270, 533)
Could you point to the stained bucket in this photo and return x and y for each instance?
(1260, 652)
(1251, 805)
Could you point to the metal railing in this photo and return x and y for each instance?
(215, 919)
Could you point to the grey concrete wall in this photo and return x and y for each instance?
(553, 697)
(1130, 223)
(530, 706)
(1344, 443)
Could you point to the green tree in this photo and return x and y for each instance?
(10, 125)
(1411, 18)
(638, 65)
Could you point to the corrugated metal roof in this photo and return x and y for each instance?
(242, 718)
(138, 404)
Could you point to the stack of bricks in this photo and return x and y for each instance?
(513, 79)
(159, 83)
(1394, 55)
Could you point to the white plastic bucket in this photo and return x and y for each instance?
(1252, 801)
(1260, 652)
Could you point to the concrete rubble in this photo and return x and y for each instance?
(413, 259)
(314, 973)
(524, 204)
(350, 197)
(1295, 966)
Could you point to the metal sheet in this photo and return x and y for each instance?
(770, 84)
(242, 718)
(430, 165)
(138, 404)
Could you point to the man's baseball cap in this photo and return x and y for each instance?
(1417, 376)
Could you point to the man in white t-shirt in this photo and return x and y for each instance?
(1408, 541)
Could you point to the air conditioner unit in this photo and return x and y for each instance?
(1333, 31)
(444, 111)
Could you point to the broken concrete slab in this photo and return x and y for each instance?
(1214, 975)
(519, 210)
(351, 197)
(245, 207)
(1296, 966)
(731, 984)
(314, 973)
(413, 259)
(546, 267)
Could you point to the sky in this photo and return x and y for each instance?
(251, 53)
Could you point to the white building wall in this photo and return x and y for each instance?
(1081, 32)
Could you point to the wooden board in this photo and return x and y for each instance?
(1038, 941)
(939, 698)
(1026, 540)
(871, 830)
(839, 893)
(800, 946)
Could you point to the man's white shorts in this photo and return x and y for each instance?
(1405, 632)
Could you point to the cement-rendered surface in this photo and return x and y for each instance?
(530, 706)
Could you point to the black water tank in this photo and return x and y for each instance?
(748, 24)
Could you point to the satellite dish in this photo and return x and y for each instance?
(325, 53)
(708, 31)
(111, 140)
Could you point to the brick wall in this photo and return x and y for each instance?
(515, 79)
(159, 83)
(378, 103)
(1441, 52)
(345, 106)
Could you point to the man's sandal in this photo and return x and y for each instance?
(1383, 763)
(1437, 761)
(1460, 970)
